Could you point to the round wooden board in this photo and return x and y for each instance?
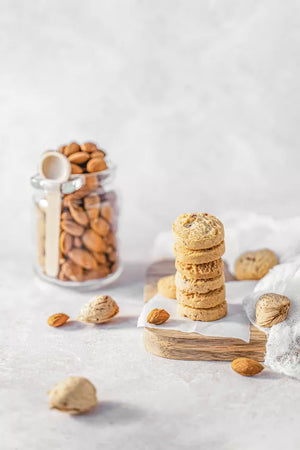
(174, 344)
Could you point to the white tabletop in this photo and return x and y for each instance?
(145, 402)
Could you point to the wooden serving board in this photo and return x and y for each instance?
(174, 344)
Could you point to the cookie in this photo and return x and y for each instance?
(186, 284)
(166, 286)
(205, 315)
(199, 256)
(198, 231)
(204, 301)
(255, 265)
(200, 271)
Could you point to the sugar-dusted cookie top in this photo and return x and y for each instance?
(198, 231)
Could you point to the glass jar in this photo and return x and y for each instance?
(88, 251)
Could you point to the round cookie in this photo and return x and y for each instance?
(198, 286)
(203, 301)
(166, 286)
(199, 256)
(198, 231)
(255, 265)
(200, 271)
(205, 315)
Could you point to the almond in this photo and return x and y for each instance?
(57, 320)
(98, 153)
(106, 211)
(91, 181)
(93, 241)
(92, 206)
(100, 309)
(83, 258)
(72, 228)
(271, 309)
(158, 316)
(77, 242)
(75, 169)
(80, 193)
(78, 214)
(65, 242)
(79, 157)
(246, 366)
(96, 164)
(71, 148)
(66, 216)
(61, 149)
(100, 257)
(72, 271)
(100, 226)
(89, 147)
(101, 272)
(111, 239)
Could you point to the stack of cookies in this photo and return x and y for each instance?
(200, 281)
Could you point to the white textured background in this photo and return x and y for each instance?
(196, 101)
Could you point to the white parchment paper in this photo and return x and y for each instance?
(235, 324)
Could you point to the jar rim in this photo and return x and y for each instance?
(75, 181)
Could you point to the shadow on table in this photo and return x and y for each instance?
(109, 412)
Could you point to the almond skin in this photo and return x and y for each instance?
(75, 169)
(57, 320)
(72, 228)
(89, 147)
(71, 148)
(83, 258)
(93, 241)
(79, 157)
(100, 226)
(96, 164)
(246, 366)
(78, 214)
(158, 316)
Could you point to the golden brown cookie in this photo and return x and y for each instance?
(199, 256)
(186, 284)
(166, 286)
(205, 315)
(255, 265)
(198, 231)
(208, 300)
(200, 271)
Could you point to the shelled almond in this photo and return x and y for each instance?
(88, 247)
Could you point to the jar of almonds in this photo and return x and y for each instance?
(87, 246)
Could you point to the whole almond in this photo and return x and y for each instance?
(100, 226)
(65, 242)
(61, 149)
(57, 320)
(72, 228)
(96, 164)
(246, 366)
(99, 310)
(111, 239)
(72, 271)
(92, 206)
(91, 181)
(78, 214)
(79, 157)
(158, 316)
(89, 147)
(77, 242)
(100, 257)
(66, 216)
(106, 211)
(80, 193)
(93, 241)
(71, 148)
(83, 258)
(75, 169)
(101, 272)
(98, 153)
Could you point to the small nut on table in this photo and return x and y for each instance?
(271, 309)
(57, 320)
(74, 395)
(246, 366)
(158, 316)
(99, 310)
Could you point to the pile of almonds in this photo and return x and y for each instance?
(88, 247)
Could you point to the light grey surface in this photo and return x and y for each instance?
(198, 104)
(145, 402)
